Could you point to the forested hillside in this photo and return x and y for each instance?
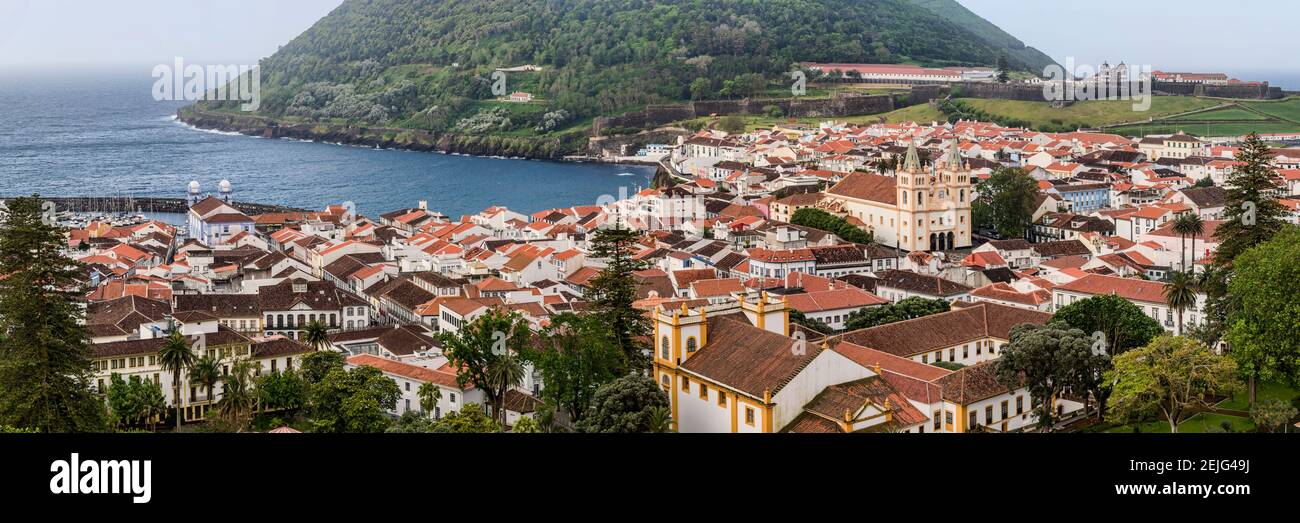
(428, 64)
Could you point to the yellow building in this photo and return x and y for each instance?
(918, 209)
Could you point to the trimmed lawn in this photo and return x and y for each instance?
(1231, 113)
(1198, 424)
(1263, 391)
(1223, 129)
(1288, 108)
(1090, 113)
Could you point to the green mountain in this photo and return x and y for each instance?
(1016, 50)
(430, 64)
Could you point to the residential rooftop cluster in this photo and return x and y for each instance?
(726, 272)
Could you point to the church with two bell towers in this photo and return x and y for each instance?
(920, 208)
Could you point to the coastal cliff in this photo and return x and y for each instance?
(548, 148)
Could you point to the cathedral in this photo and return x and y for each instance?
(917, 209)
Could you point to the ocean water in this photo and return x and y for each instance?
(101, 133)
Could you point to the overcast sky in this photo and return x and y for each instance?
(1200, 35)
(1239, 35)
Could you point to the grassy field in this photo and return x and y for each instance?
(1090, 113)
(922, 113)
(1231, 113)
(1224, 129)
(1263, 391)
(1288, 109)
(1198, 424)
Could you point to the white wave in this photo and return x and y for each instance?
(625, 174)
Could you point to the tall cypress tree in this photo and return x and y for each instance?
(1252, 213)
(45, 367)
(613, 291)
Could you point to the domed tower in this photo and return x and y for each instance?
(226, 190)
(194, 195)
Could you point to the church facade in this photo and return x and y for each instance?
(917, 209)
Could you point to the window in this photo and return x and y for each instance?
(965, 351)
(408, 384)
(704, 392)
(925, 358)
(408, 404)
(686, 384)
(722, 399)
(974, 420)
(1005, 410)
(749, 416)
(690, 345)
(664, 380)
(938, 420)
(1020, 404)
(952, 354)
(453, 397)
(664, 351)
(947, 418)
(938, 356)
(988, 415)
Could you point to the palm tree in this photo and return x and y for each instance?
(205, 373)
(1187, 225)
(661, 421)
(238, 398)
(316, 335)
(176, 356)
(151, 402)
(1180, 293)
(505, 373)
(429, 395)
(1196, 226)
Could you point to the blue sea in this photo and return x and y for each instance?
(101, 133)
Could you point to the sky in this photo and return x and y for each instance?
(110, 33)
(1169, 35)
(1201, 35)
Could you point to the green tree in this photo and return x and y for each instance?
(910, 308)
(45, 367)
(625, 405)
(135, 401)
(284, 390)
(1122, 324)
(205, 373)
(1205, 182)
(1262, 324)
(733, 124)
(482, 350)
(470, 419)
(798, 318)
(1006, 202)
(1004, 69)
(1273, 415)
(575, 356)
(1251, 214)
(1172, 376)
(526, 425)
(1180, 293)
(176, 356)
(1046, 359)
(613, 291)
(411, 422)
(353, 401)
(317, 365)
(822, 220)
(238, 397)
(701, 89)
(429, 395)
(316, 335)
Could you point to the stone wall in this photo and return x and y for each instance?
(839, 104)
